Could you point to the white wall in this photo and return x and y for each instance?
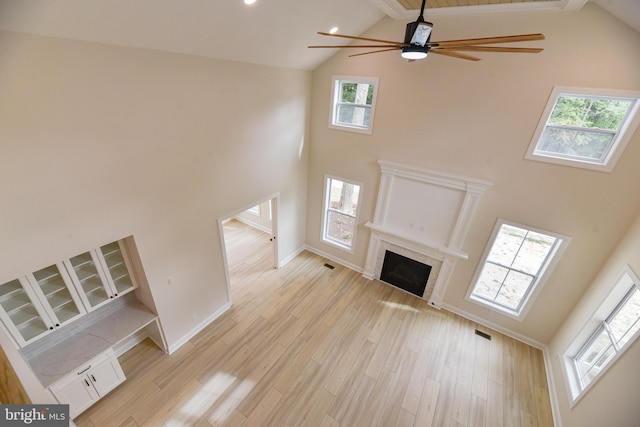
(101, 142)
(612, 400)
(476, 119)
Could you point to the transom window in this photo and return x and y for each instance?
(513, 267)
(353, 103)
(340, 212)
(585, 127)
(611, 329)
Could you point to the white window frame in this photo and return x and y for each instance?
(336, 82)
(610, 303)
(536, 285)
(620, 140)
(325, 216)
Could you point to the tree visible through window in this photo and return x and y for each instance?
(585, 128)
(340, 213)
(353, 103)
(354, 107)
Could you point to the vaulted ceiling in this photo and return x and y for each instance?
(269, 32)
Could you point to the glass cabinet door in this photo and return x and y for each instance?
(21, 311)
(87, 273)
(57, 294)
(117, 267)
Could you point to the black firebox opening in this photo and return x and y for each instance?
(405, 273)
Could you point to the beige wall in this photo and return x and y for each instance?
(102, 142)
(476, 119)
(618, 389)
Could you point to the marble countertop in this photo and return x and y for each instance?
(71, 353)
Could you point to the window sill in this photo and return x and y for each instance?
(354, 129)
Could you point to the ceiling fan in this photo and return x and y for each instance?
(417, 43)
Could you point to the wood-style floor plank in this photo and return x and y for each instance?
(306, 345)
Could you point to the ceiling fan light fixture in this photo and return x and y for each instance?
(414, 52)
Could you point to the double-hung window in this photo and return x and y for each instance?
(353, 103)
(587, 128)
(514, 267)
(341, 200)
(607, 334)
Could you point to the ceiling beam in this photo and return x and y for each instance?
(396, 11)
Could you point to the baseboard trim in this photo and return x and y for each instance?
(494, 326)
(551, 384)
(334, 259)
(291, 257)
(183, 340)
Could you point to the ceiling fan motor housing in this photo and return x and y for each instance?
(416, 37)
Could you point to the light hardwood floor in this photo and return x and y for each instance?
(306, 345)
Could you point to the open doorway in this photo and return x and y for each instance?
(249, 240)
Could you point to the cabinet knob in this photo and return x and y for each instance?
(57, 325)
(51, 328)
(111, 296)
(116, 294)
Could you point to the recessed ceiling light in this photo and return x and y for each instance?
(249, 2)
(333, 30)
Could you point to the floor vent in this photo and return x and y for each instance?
(329, 266)
(483, 335)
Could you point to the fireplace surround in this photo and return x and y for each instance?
(422, 215)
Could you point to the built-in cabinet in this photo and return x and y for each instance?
(40, 302)
(87, 384)
(101, 274)
(82, 290)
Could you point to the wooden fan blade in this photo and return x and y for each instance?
(375, 51)
(358, 38)
(488, 40)
(361, 46)
(493, 49)
(454, 54)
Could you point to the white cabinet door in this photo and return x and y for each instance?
(117, 267)
(21, 312)
(106, 376)
(58, 296)
(85, 386)
(86, 273)
(38, 303)
(101, 275)
(77, 392)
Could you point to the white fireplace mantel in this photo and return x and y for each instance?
(426, 213)
(399, 238)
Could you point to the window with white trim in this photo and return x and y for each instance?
(606, 335)
(353, 103)
(587, 128)
(514, 267)
(341, 201)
